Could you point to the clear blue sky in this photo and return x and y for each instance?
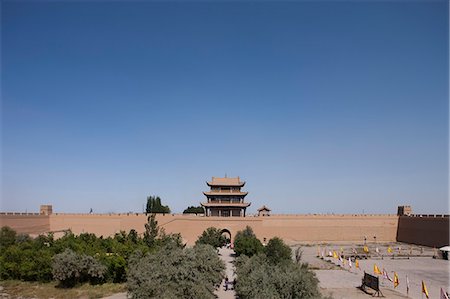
(320, 106)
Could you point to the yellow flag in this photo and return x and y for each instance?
(424, 289)
(389, 249)
(396, 282)
(335, 255)
(356, 263)
(376, 270)
(366, 249)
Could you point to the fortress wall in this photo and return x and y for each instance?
(427, 230)
(99, 224)
(292, 228)
(335, 228)
(27, 223)
(295, 228)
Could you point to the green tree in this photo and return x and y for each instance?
(283, 280)
(173, 272)
(246, 243)
(7, 237)
(70, 268)
(212, 236)
(194, 210)
(277, 251)
(154, 205)
(133, 236)
(151, 231)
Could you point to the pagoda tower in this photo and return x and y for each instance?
(225, 198)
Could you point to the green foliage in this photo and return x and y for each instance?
(212, 236)
(154, 205)
(156, 237)
(258, 277)
(26, 260)
(169, 240)
(194, 210)
(31, 259)
(7, 237)
(246, 243)
(172, 272)
(116, 268)
(277, 251)
(70, 268)
(151, 231)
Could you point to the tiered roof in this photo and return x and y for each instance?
(225, 193)
(226, 182)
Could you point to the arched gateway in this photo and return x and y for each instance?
(227, 233)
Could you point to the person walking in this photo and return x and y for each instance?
(226, 283)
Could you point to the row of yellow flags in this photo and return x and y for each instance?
(396, 282)
(365, 249)
(389, 249)
(377, 271)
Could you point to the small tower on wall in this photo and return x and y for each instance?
(404, 211)
(264, 211)
(46, 210)
(225, 198)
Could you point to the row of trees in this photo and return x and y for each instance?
(72, 259)
(194, 210)
(156, 264)
(154, 205)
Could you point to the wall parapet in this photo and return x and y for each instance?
(428, 215)
(19, 213)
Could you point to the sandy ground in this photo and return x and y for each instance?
(117, 296)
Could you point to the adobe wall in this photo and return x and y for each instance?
(99, 224)
(27, 223)
(427, 230)
(292, 228)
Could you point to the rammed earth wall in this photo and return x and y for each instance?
(428, 230)
(431, 231)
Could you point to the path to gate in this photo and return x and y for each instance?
(227, 256)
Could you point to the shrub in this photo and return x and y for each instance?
(30, 259)
(70, 268)
(26, 261)
(246, 243)
(7, 237)
(257, 277)
(116, 268)
(277, 251)
(212, 236)
(172, 272)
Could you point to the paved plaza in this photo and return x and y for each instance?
(342, 281)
